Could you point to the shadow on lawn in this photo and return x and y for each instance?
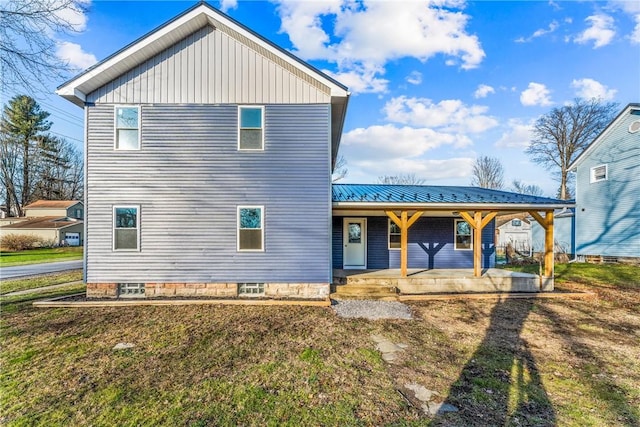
(500, 384)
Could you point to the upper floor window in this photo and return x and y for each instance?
(126, 228)
(250, 228)
(394, 235)
(127, 132)
(599, 173)
(463, 235)
(250, 128)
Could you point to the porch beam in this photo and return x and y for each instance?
(403, 243)
(392, 215)
(477, 244)
(414, 218)
(468, 218)
(542, 221)
(548, 245)
(487, 219)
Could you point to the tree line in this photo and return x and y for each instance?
(34, 164)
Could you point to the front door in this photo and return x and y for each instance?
(355, 243)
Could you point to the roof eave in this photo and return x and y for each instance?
(452, 206)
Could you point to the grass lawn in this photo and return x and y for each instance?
(519, 362)
(13, 285)
(35, 256)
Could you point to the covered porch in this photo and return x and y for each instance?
(440, 239)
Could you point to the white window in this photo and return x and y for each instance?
(251, 289)
(130, 290)
(127, 128)
(394, 235)
(599, 173)
(250, 228)
(126, 228)
(250, 128)
(463, 235)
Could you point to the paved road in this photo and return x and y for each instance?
(32, 269)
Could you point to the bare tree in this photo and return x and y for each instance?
(340, 170)
(564, 132)
(487, 173)
(27, 45)
(401, 179)
(529, 189)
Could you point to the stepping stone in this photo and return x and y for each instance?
(123, 346)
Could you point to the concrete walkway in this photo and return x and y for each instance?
(42, 289)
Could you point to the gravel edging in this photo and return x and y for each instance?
(372, 310)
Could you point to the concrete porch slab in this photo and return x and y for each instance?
(420, 281)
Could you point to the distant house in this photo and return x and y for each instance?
(56, 222)
(514, 230)
(205, 113)
(608, 191)
(563, 233)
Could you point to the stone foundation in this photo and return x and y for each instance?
(314, 291)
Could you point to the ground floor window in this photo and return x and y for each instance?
(394, 235)
(250, 228)
(463, 235)
(126, 228)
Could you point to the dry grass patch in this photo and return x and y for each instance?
(516, 362)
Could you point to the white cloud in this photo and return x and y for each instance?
(428, 169)
(362, 78)
(635, 36)
(589, 88)
(74, 55)
(482, 91)
(536, 94)
(601, 31)
(226, 5)
(361, 43)
(631, 8)
(539, 33)
(450, 115)
(74, 14)
(414, 78)
(517, 134)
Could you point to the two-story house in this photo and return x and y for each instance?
(608, 191)
(206, 114)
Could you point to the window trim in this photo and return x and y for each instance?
(592, 173)
(389, 236)
(455, 235)
(115, 126)
(261, 107)
(262, 213)
(113, 228)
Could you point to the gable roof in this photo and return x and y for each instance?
(602, 136)
(437, 197)
(52, 204)
(201, 15)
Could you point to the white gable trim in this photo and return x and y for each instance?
(166, 35)
(596, 142)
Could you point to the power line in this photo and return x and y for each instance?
(67, 136)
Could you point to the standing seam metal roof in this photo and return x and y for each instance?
(381, 193)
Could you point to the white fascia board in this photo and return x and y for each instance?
(450, 206)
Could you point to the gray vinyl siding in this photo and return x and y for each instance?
(608, 212)
(211, 66)
(189, 178)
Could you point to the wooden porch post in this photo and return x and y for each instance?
(477, 223)
(547, 224)
(404, 222)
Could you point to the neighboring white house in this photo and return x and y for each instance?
(514, 230)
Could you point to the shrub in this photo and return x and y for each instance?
(19, 242)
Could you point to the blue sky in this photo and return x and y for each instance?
(434, 83)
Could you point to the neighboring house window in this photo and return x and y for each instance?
(250, 228)
(78, 213)
(127, 128)
(250, 128)
(394, 235)
(599, 173)
(126, 228)
(463, 235)
(516, 223)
